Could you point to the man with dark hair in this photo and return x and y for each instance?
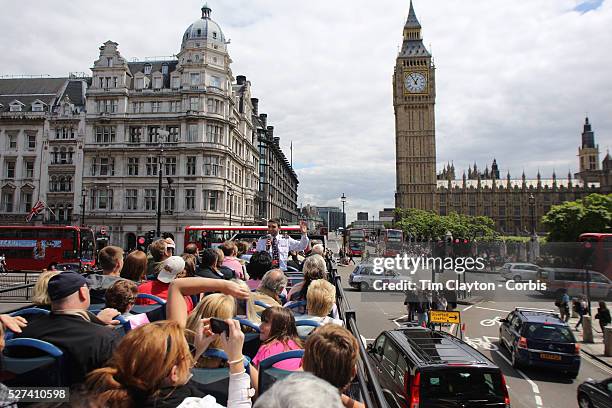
(279, 246)
(192, 249)
(84, 337)
(260, 263)
(208, 267)
(159, 253)
(110, 260)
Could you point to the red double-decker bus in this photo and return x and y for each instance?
(391, 241)
(34, 248)
(356, 240)
(211, 236)
(602, 251)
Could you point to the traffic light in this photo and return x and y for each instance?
(141, 243)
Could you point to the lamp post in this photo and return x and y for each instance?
(83, 195)
(532, 213)
(343, 199)
(230, 194)
(161, 135)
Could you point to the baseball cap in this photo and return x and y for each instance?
(64, 284)
(170, 268)
(170, 243)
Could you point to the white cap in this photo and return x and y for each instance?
(170, 268)
(170, 243)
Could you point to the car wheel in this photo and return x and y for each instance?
(363, 287)
(515, 362)
(584, 401)
(517, 278)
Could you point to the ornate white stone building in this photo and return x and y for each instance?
(210, 161)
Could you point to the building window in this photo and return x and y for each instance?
(194, 79)
(192, 134)
(12, 142)
(31, 142)
(211, 200)
(155, 106)
(109, 61)
(153, 134)
(150, 199)
(502, 211)
(15, 107)
(151, 166)
(37, 107)
(215, 81)
(107, 166)
(7, 201)
(29, 169)
(10, 169)
(135, 134)
(138, 107)
(26, 200)
(191, 166)
(131, 199)
(147, 69)
(170, 166)
(215, 105)
(194, 103)
(133, 163)
(105, 134)
(173, 134)
(213, 134)
(175, 106)
(212, 166)
(189, 199)
(102, 199)
(165, 69)
(169, 196)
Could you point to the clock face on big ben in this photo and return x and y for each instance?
(415, 82)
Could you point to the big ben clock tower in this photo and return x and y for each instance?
(414, 95)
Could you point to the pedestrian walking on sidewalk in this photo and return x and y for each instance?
(603, 314)
(563, 303)
(580, 306)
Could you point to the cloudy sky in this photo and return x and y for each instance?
(515, 78)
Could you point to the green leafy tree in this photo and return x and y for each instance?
(565, 222)
(427, 224)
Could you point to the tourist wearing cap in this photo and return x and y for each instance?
(168, 270)
(170, 246)
(84, 337)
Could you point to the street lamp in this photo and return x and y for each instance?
(83, 195)
(230, 194)
(343, 199)
(161, 135)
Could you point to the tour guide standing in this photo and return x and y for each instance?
(279, 246)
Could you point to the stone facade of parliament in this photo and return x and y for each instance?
(512, 203)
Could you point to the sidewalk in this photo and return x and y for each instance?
(595, 349)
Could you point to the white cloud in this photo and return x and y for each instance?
(514, 78)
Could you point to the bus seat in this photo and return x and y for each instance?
(43, 369)
(215, 380)
(251, 338)
(305, 327)
(156, 311)
(298, 307)
(268, 374)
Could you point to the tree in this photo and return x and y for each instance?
(427, 224)
(565, 222)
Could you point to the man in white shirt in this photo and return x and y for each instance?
(279, 246)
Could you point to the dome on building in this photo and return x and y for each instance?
(204, 29)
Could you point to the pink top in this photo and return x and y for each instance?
(253, 283)
(274, 348)
(234, 264)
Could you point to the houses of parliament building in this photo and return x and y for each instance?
(514, 204)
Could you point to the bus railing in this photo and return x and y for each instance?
(370, 388)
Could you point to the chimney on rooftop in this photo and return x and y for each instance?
(264, 119)
(241, 79)
(255, 103)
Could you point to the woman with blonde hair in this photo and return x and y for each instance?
(320, 301)
(151, 368)
(214, 305)
(135, 266)
(41, 296)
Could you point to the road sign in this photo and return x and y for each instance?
(442, 316)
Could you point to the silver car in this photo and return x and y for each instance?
(520, 271)
(363, 277)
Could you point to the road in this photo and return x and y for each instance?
(528, 388)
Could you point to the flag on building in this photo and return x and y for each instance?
(36, 209)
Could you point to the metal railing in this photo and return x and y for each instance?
(371, 391)
(17, 286)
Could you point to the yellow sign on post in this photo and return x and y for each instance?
(442, 316)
